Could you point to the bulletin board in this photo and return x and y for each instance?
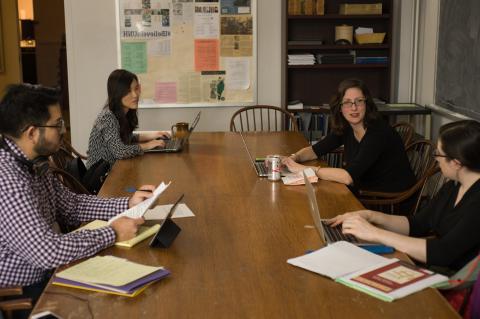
(190, 53)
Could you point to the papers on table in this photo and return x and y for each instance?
(297, 178)
(110, 274)
(161, 211)
(380, 277)
(139, 210)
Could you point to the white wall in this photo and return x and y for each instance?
(92, 55)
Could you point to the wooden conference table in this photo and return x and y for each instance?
(230, 260)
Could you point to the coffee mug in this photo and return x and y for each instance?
(180, 130)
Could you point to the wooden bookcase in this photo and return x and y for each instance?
(315, 84)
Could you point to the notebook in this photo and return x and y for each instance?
(176, 144)
(327, 233)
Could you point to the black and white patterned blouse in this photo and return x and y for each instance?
(30, 204)
(105, 142)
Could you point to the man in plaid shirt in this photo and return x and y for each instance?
(31, 125)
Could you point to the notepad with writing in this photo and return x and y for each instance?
(297, 178)
(143, 232)
(110, 274)
(380, 277)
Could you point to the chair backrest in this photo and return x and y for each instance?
(262, 118)
(10, 304)
(420, 156)
(65, 154)
(430, 188)
(69, 180)
(405, 130)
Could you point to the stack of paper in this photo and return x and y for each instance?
(301, 59)
(110, 274)
(139, 210)
(380, 277)
(297, 178)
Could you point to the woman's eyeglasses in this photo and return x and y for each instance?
(436, 153)
(358, 102)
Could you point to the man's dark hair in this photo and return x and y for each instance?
(338, 123)
(24, 105)
(461, 141)
(118, 85)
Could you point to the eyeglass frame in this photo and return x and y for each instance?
(61, 128)
(436, 154)
(355, 102)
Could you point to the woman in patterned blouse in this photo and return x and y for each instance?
(112, 134)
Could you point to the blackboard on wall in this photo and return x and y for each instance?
(458, 57)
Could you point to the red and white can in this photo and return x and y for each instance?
(273, 164)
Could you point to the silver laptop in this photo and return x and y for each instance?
(327, 233)
(176, 144)
(258, 165)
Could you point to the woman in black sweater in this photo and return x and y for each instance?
(373, 151)
(452, 217)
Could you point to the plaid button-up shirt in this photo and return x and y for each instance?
(29, 206)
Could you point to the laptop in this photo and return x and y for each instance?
(259, 165)
(327, 233)
(176, 144)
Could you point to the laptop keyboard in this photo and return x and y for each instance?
(335, 233)
(261, 168)
(173, 144)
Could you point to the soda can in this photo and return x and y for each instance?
(274, 165)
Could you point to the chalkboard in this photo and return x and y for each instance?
(458, 58)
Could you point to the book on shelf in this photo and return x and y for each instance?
(110, 275)
(387, 279)
(302, 7)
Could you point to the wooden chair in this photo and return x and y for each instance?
(69, 180)
(262, 118)
(65, 154)
(406, 131)
(334, 158)
(430, 188)
(422, 163)
(7, 307)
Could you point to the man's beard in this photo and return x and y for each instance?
(44, 147)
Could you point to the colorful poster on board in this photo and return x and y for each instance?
(144, 19)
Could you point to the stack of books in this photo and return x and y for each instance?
(301, 59)
(110, 275)
(383, 278)
(336, 58)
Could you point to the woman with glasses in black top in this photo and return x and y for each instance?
(374, 153)
(450, 220)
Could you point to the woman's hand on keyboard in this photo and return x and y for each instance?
(359, 227)
(152, 144)
(339, 219)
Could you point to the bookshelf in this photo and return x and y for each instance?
(315, 34)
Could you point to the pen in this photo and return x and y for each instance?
(146, 190)
(163, 138)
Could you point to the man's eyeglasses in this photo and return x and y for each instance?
(357, 102)
(60, 126)
(435, 153)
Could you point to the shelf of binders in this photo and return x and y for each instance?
(315, 45)
(340, 17)
(339, 66)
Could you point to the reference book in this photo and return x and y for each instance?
(111, 275)
(383, 278)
